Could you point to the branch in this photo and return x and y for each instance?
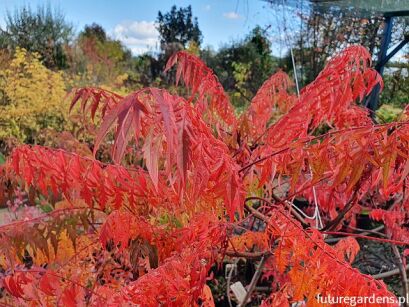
(365, 237)
(279, 201)
(402, 271)
(229, 281)
(374, 231)
(389, 273)
(242, 94)
(334, 223)
(263, 158)
(365, 232)
(253, 282)
(257, 214)
(248, 255)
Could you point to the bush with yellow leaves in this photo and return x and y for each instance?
(31, 97)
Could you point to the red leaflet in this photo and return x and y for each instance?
(73, 296)
(128, 116)
(202, 81)
(96, 97)
(377, 214)
(347, 249)
(15, 283)
(184, 143)
(122, 227)
(273, 92)
(49, 283)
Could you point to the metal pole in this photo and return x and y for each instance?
(372, 101)
(295, 72)
(386, 40)
(393, 52)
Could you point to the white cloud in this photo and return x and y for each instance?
(139, 36)
(231, 15)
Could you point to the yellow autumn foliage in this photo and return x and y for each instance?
(65, 251)
(31, 97)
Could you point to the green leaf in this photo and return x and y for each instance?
(46, 208)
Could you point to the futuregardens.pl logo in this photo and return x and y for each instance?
(358, 300)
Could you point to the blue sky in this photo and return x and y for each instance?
(132, 22)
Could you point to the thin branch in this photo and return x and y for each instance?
(228, 283)
(279, 201)
(374, 231)
(253, 282)
(335, 222)
(365, 232)
(242, 94)
(402, 271)
(263, 158)
(248, 255)
(365, 237)
(389, 273)
(257, 214)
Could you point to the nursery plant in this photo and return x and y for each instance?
(191, 184)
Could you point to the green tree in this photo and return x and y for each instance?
(178, 26)
(396, 81)
(243, 66)
(96, 31)
(43, 31)
(98, 57)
